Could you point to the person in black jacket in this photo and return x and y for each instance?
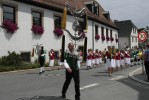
(72, 71)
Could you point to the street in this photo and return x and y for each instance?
(95, 85)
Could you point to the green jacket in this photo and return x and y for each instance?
(72, 60)
(42, 58)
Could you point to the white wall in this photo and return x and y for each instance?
(24, 40)
(134, 34)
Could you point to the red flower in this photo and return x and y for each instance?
(58, 32)
(112, 39)
(103, 37)
(97, 37)
(9, 26)
(108, 38)
(37, 29)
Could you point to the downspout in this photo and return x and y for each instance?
(93, 35)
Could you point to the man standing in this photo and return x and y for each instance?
(146, 61)
(42, 61)
(72, 71)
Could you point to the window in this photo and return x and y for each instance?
(111, 33)
(96, 10)
(9, 13)
(25, 56)
(102, 31)
(136, 39)
(89, 6)
(106, 14)
(96, 29)
(116, 37)
(37, 18)
(132, 39)
(107, 33)
(57, 21)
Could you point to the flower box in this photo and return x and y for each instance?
(108, 38)
(103, 37)
(10, 26)
(112, 39)
(97, 37)
(37, 29)
(58, 32)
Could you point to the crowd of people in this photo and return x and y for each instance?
(114, 59)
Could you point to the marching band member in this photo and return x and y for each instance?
(51, 58)
(108, 61)
(93, 58)
(118, 60)
(100, 57)
(113, 65)
(127, 58)
(96, 58)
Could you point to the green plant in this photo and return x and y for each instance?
(12, 59)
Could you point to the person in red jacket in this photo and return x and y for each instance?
(118, 54)
(51, 58)
(89, 58)
(108, 61)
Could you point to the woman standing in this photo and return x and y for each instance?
(108, 61)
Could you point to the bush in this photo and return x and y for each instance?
(12, 59)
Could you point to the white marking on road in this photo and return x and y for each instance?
(88, 86)
(117, 78)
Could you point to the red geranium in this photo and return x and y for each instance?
(112, 39)
(108, 38)
(10, 26)
(58, 32)
(97, 37)
(37, 29)
(103, 37)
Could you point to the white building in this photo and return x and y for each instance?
(128, 34)
(48, 13)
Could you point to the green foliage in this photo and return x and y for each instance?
(12, 59)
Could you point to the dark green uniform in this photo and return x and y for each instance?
(71, 59)
(41, 60)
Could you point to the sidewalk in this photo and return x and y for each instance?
(138, 76)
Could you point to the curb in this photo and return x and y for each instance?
(131, 76)
(25, 70)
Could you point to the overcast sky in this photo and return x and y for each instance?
(135, 10)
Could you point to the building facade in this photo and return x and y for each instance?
(128, 34)
(48, 13)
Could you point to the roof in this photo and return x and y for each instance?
(125, 27)
(58, 5)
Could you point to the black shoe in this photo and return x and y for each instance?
(63, 96)
(40, 73)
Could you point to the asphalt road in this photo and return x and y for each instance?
(95, 85)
